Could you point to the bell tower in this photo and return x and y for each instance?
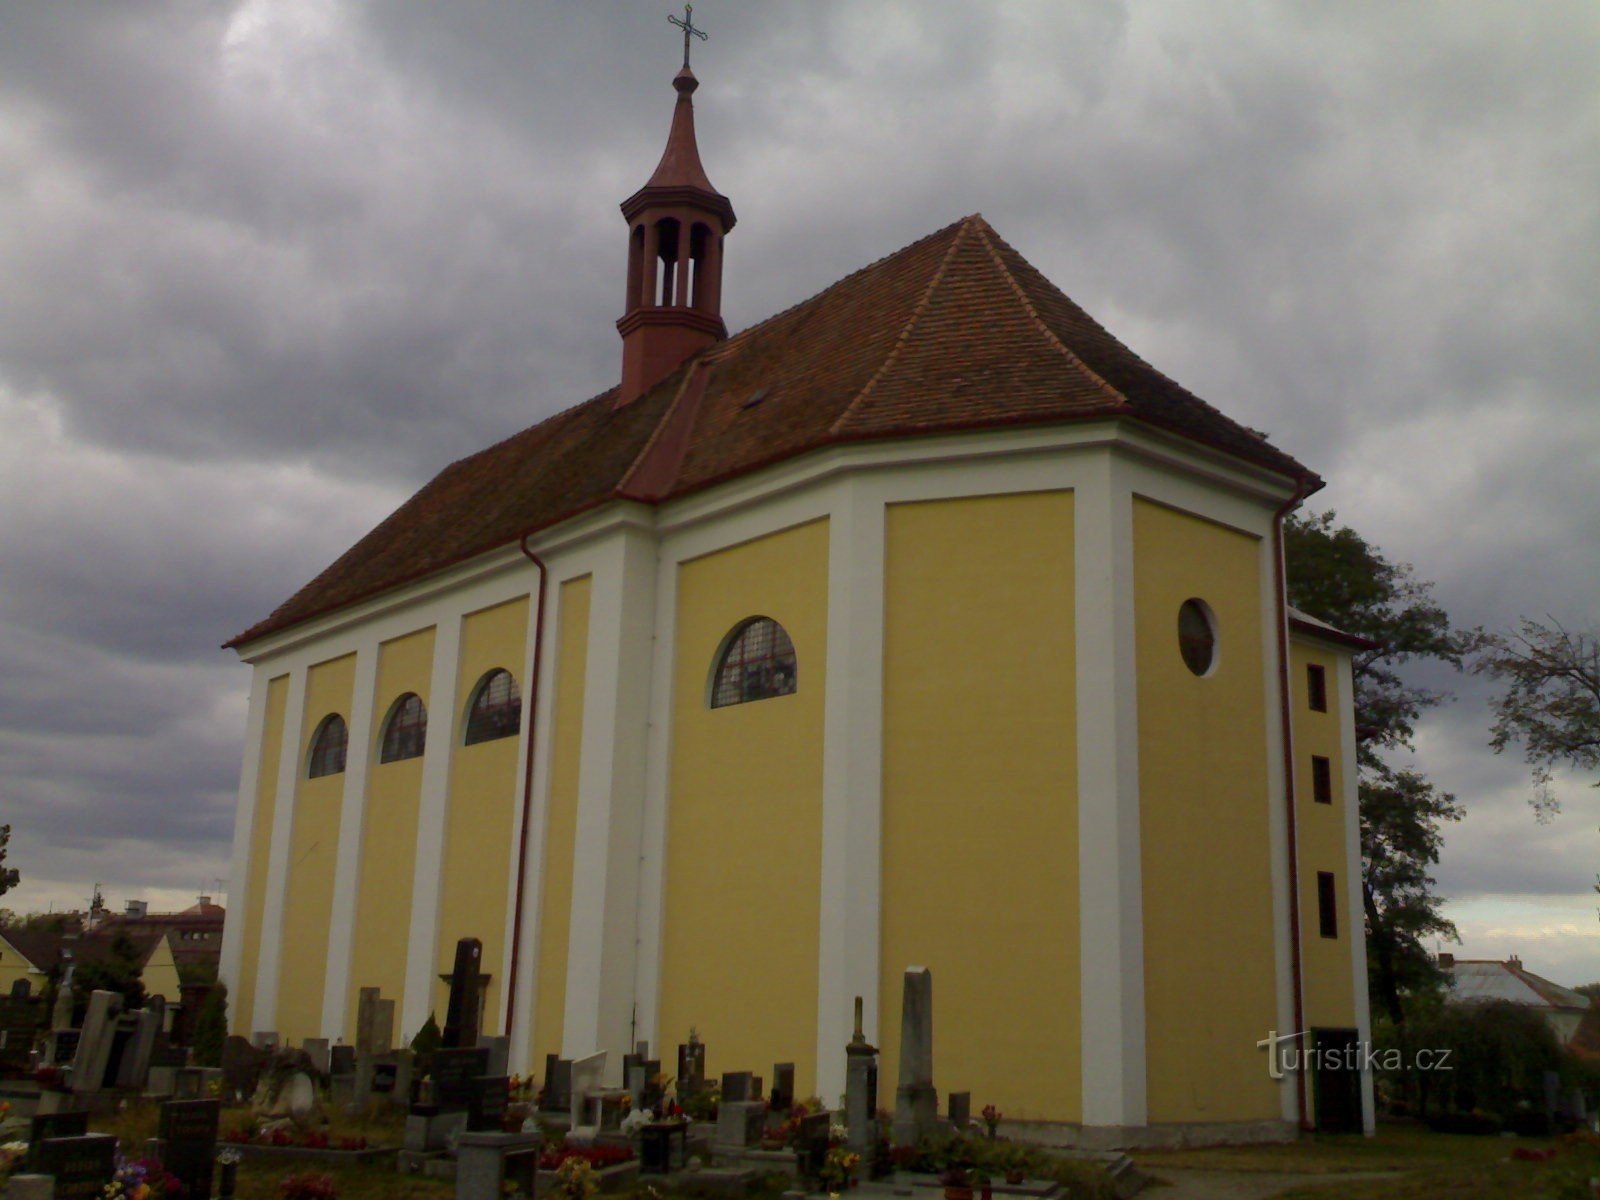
(676, 223)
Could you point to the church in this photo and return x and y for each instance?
(923, 623)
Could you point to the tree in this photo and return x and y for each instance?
(211, 1027)
(119, 971)
(1551, 701)
(1339, 577)
(8, 875)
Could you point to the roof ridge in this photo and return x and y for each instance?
(716, 352)
(1040, 324)
(917, 310)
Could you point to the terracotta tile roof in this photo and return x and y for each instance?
(956, 331)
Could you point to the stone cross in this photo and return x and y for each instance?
(461, 1018)
(687, 25)
(861, 1091)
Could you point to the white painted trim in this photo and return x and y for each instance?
(433, 808)
(238, 894)
(1355, 919)
(264, 1013)
(347, 869)
(1110, 868)
(849, 939)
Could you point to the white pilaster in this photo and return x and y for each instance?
(1355, 917)
(852, 779)
(265, 1010)
(243, 833)
(347, 868)
(1111, 900)
(421, 958)
(603, 939)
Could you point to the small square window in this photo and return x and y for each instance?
(1327, 906)
(1317, 687)
(1321, 779)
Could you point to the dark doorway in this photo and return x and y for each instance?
(1336, 1080)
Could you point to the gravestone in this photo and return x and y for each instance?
(861, 1091)
(490, 1166)
(341, 1060)
(317, 1050)
(499, 1053)
(491, 1095)
(588, 1077)
(242, 1065)
(557, 1092)
(133, 1068)
(958, 1109)
(916, 1102)
(64, 1046)
(740, 1123)
(782, 1098)
(21, 989)
(654, 1085)
(374, 1022)
(43, 1127)
(736, 1086)
(96, 1037)
(453, 1074)
(461, 1017)
(691, 1064)
(82, 1166)
(189, 1129)
(812, 1148)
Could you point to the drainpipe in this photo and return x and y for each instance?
(527, 784)
(1285, 694)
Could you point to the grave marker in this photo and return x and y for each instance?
(453, 1075)
(461, 1017)
(43, 1127)
(82, 1166)
(189, 1129)
(491, 1094)
(782, 1087)
(736, 1086)
(916, 1102)
(95, 1042)
(861, 1091)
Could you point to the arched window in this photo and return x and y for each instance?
(328, 746)
(405, 733)
(496, 708)
(757, 663)
(1197, 636)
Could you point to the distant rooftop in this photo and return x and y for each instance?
(1487, 979)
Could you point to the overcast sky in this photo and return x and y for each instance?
(265, 267)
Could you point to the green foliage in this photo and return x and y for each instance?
(429, 1038)
(211, 1027)
(1551, 701)
(1498, 1054)
(1337, 576)
(118, 972)
(8, 875)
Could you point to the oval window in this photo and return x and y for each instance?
(1197, 636)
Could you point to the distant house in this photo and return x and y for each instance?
(195, 934)
(52, 952)
(15, 965)
(1474, 980)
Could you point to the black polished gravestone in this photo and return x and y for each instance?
(65, 1047)
(81, 1166)
(45, 1127)
(454, 1073)
(341, 1060)
(189, 1130)
(461, 1017)
(491, 1094)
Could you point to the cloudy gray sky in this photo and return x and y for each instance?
(266, 266)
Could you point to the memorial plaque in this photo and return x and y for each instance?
(45, 1126)
(490, 1096)
(189, 1129)
(66, 1046)
(453, 1075)
(82, 1166)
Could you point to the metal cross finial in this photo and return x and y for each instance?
(687, 25)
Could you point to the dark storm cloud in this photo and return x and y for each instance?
(266, 267)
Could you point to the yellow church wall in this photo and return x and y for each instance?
(482, 808)
(744, 816)
(1205, 837)
(242, 1000)
(313, 852)
(389, 828)
(1326, 964)
(980, 817)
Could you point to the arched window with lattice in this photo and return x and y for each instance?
(405, 731)
(757, 663)
(495, 710)
(328, 747)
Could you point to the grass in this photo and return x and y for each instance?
(1430, 1166)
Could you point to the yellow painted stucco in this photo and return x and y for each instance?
(14, 967)
(561, 825)
(313, 853)
(1326, 964)
(980, 816)
(744, 818)
(1203, 787)
(389, 830)
(242, 999)
(480, 822)
(160, 972)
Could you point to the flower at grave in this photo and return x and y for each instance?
(636, 1120)
(991, 1118)
(838, 1132)
(837, 1167)
(575, 1179)
(308, 1187)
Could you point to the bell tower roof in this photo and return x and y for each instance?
(680, 177)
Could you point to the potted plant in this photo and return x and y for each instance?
(980, 1178)
(957, 1183)
(837, 1166)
